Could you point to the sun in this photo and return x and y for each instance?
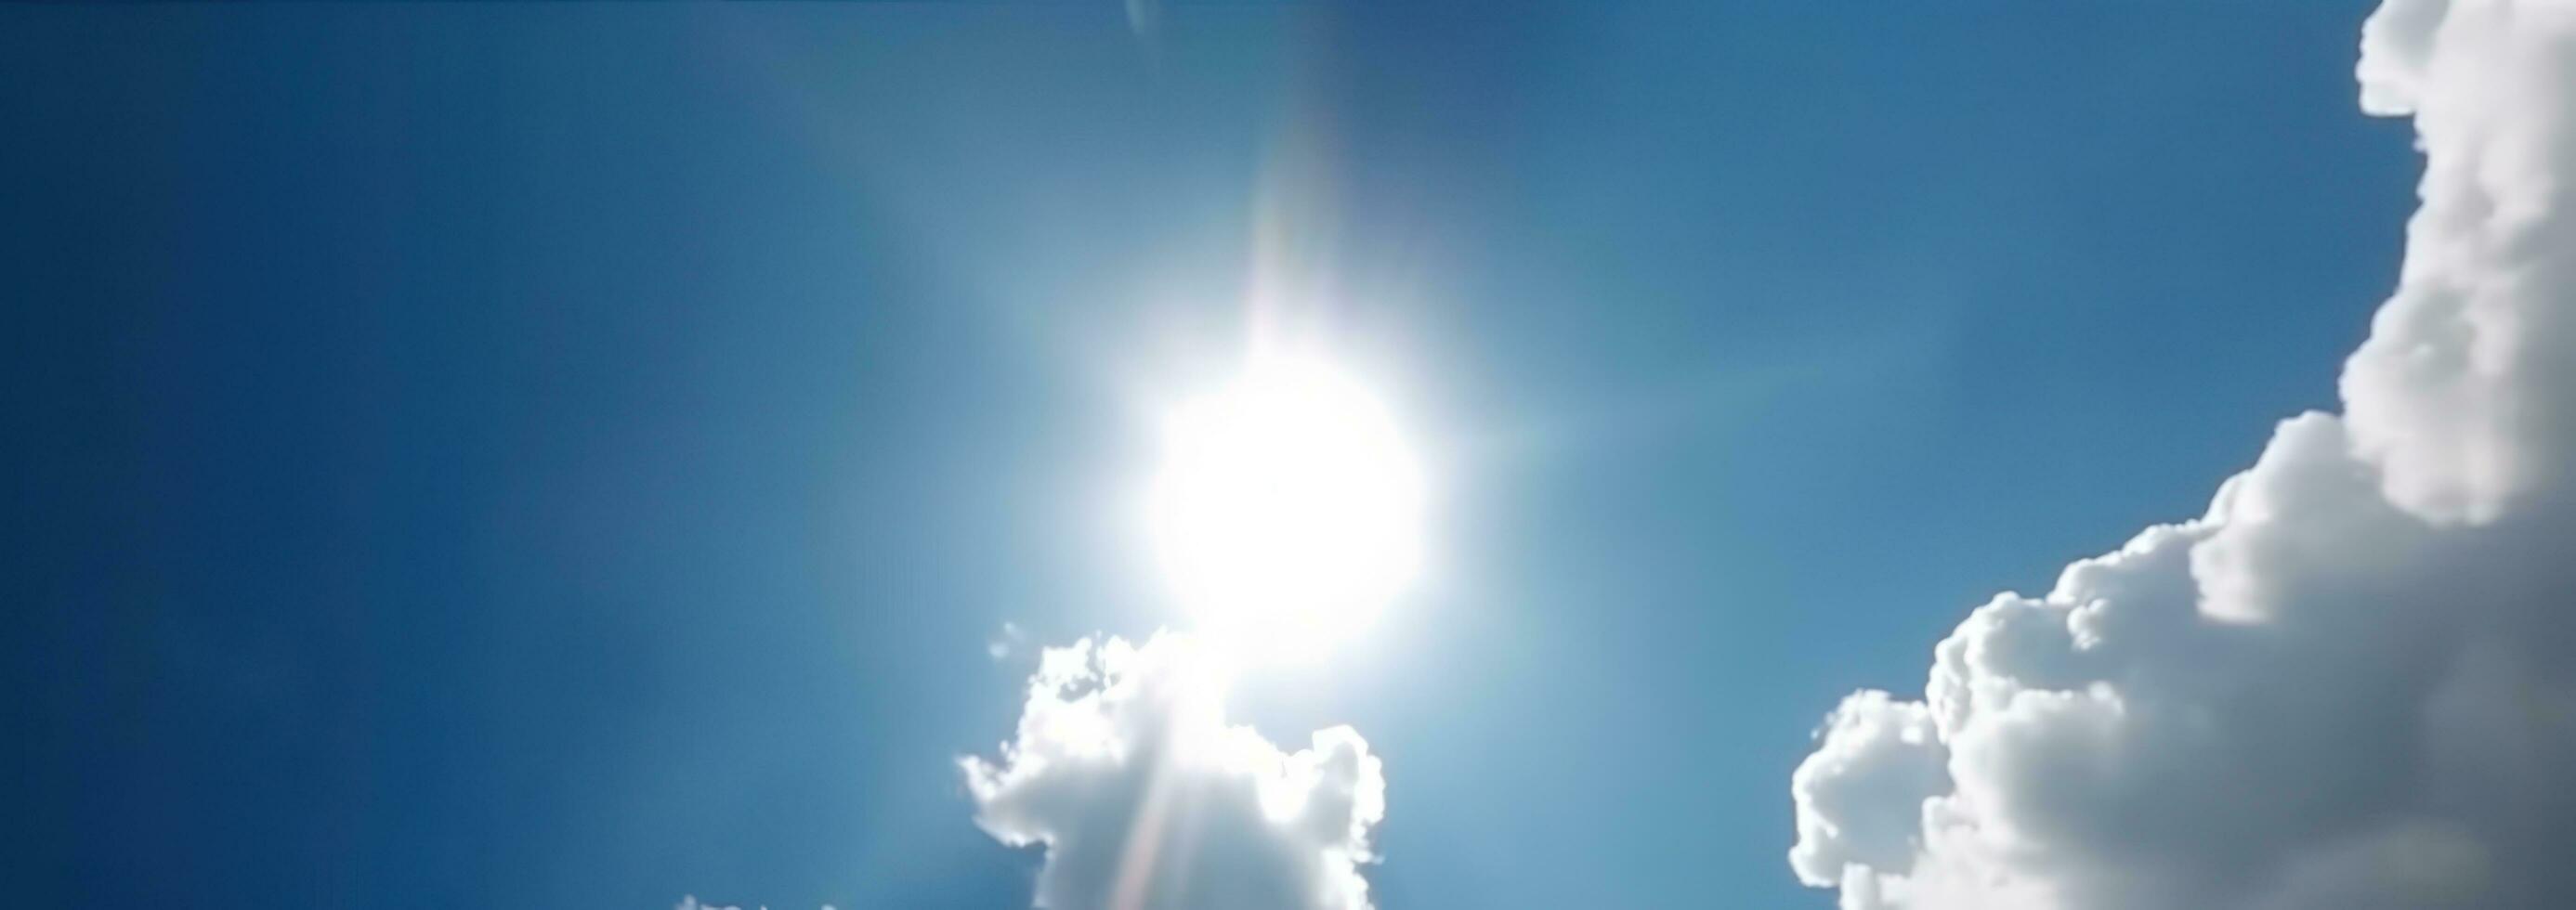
(1289, 507)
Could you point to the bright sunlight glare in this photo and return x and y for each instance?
(1289, 508)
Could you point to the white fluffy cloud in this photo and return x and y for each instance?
(2352, 683)
(1144, 798)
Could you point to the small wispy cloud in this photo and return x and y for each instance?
(690, 902)
(1009, 641)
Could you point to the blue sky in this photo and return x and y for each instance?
(577, 456)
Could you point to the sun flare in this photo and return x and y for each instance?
(1289, 508)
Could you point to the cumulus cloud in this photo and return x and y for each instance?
(1125, 770)
(2352, 682)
